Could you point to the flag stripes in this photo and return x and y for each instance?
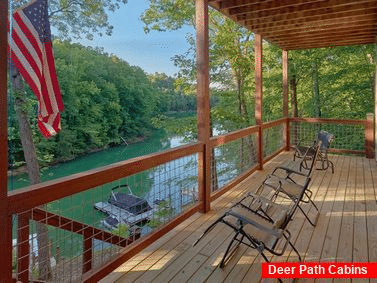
(32, 54)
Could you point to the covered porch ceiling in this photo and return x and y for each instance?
(305, 24)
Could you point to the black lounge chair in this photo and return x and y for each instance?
(258, 223)
(294, 184)
(326, 139)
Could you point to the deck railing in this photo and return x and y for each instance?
(274, 138)
(351, 136)
(233, 155)
(80, 247)
(170, 176)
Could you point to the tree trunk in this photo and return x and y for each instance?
(317, 101)
(293, 85)
(33, 172)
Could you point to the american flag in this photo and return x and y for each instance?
(31, 53)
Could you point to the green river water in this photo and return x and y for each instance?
(159, 141)
(80, 207)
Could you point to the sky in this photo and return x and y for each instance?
(152, 52)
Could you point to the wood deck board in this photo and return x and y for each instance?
(346, 230)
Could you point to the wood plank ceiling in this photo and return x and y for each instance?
(304, 24)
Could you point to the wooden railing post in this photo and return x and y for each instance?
(258, 96)
(23, 247)
(5, 216)
(285, 99)
(369, 136)
(203, 108)
(87, 252)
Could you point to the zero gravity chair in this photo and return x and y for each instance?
(292, 183)
(260, 221)
(326, 139)
(257, 223)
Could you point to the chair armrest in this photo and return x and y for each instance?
(274, 231)
(289, 171)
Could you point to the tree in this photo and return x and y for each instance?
(231, 62)
(77, 18)
(333, 82)
(69, 16)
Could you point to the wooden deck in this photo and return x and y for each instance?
(346, 231)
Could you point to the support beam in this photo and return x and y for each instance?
(369, 136)
(375, 104)
(285, 98)
(258, 96)
(87, 254)
(5, 218)
(203, 104)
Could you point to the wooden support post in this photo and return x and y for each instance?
(369, 136)
(375, 105)
(5, 217)
(203, 104)
(258, 96)
(23, 247)
(285, 98)
(87, 252)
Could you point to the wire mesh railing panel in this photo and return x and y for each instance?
(174, 189)
(273, 140)
(231, 160)
(347, 137)
(61, 240)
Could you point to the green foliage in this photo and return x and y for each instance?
(183, 126)
(171, 98)
(231, 64)
(79, 17)
(164, 15)
(331, 82)
(105, 100)
(122, 230)
(14, 260)
(344, 79)
(164, 209)
(154, 223)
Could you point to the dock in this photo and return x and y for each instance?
(122, 215)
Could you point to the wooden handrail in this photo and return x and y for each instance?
(329, 121)
(74, 226)
(87, 231)
(223, 139)
(274, 123)
(46, 192)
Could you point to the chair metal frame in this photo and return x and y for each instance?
(326, 139)
(255, 214)
(299, 192)
(257, 209)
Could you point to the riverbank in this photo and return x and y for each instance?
(23, 168)
(158, 140)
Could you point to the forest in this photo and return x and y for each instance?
(108, 101)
